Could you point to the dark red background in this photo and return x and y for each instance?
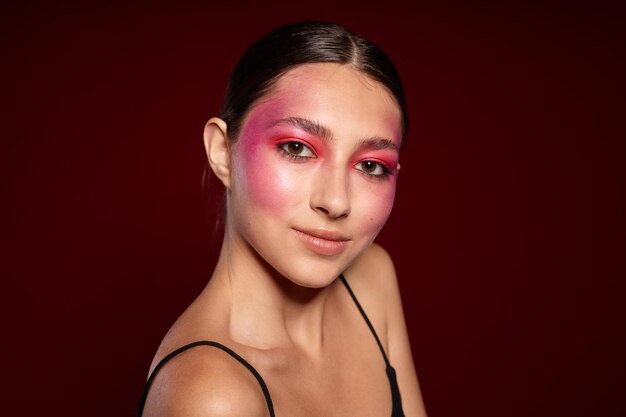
(508, 232)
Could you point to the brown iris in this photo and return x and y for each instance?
(369, 166)
(295, 148)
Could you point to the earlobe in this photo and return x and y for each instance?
(217, 149)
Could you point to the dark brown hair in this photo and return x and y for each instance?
(303, 43)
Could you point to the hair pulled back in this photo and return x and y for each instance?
(303, 43)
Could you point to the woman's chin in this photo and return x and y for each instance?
(314, 275)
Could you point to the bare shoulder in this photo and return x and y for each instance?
(374, 269)
(205, 381)
(373, 280)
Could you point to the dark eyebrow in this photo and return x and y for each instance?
(309, 126)
(379, 143)
(315, 128)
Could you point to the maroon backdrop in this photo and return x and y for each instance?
(508, 232)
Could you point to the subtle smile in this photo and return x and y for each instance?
(323, 242)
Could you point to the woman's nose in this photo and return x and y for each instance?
(331, 194)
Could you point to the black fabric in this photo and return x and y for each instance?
(144, 395)
(396, 409)
(396, 399)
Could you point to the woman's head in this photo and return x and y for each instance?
(303, 43)
(310, 169)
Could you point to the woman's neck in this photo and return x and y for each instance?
(267, 310)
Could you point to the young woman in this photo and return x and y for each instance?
(302, 315)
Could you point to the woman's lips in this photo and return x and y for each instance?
(323, 242)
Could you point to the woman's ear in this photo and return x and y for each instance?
(217, 150)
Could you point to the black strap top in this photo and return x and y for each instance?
(396, 408)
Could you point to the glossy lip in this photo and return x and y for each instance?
(322, 241)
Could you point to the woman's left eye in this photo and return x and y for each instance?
(297, 150)
(372, 168)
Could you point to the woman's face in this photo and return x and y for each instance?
(314, 171)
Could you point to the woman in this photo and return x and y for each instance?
(302, 315)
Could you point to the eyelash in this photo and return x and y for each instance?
(283, 148)
(380, 177)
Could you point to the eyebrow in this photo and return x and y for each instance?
(379, 143)
(310, 126)
(316, 128)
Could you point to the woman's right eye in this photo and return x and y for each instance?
(297, 150)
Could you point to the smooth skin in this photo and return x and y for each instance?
(317, 155)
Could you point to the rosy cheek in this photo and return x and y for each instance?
(269, 183)
(385, 204)
(375, 204)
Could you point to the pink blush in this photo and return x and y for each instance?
(378, 214)
(270, 180)
(269, 183)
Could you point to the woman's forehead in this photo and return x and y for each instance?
(335, 95)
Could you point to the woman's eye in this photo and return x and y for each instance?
(372, 168)
(297, 150)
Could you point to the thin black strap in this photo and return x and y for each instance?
(367, 320)
(180, 350)
(396, 400)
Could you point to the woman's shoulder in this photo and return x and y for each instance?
(373, 270)
(372, 278)
(376, 259)
(205, 381)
